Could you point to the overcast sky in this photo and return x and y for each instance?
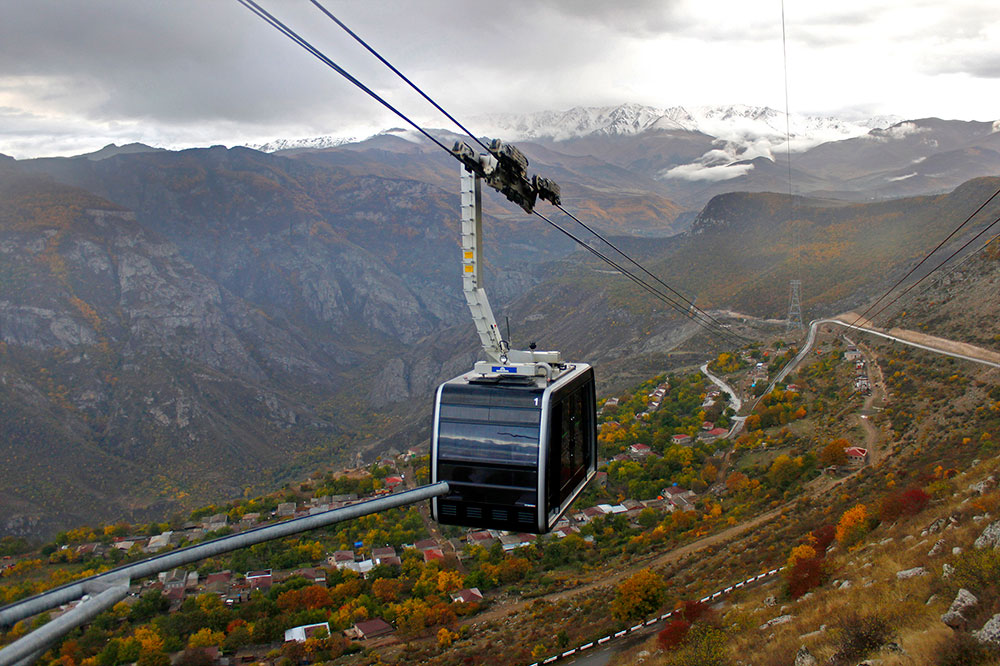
(78, 74)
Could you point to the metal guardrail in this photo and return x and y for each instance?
(651, 621)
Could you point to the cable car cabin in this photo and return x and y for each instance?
(515, 451)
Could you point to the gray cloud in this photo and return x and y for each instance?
(183, 70)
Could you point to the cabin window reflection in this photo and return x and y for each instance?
(488, 442)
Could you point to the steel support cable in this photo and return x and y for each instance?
(931, 272)
(472, 136)
(398, 73)
(63, 594)
(643, 269)
(29, 647)
(291, 34)
(718, 331)
(921, 262)
(319, 55)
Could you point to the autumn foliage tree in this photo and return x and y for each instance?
(834, 454)
(310, 598)
(803, 570)
(639, 595)
(853, 525)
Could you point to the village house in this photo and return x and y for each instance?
(372, 628)
(260, 580)
(467, 596)
(682, 439)
(679, 497)
(340, 558)
(286, 509)
(363, 567)
(640, 450)
(588, 514)
(378, 554)
(174, 583)
(563, 532)
(713, 434)
(856, 456)
(610, 402)
(510, 542)
(314, 575)
(482, 538)
(304, 632)
(158, 542)
(216, 522)
(340, 500)
(433, 555)
(218, 582)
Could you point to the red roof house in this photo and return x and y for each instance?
(856, 456)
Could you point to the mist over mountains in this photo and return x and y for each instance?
(180, 326)
(691, 154)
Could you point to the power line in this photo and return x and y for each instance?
(947, 259)
(295, 37)
(921, 262)
(398, 73)
(643, 269)
(960, 264)
(788, 125)
(472, 136)
(717, 330)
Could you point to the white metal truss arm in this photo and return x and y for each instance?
(494, 345)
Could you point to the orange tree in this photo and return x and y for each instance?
(639, 595)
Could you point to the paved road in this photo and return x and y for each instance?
(920, 340)
(916, 339)
(734, 400)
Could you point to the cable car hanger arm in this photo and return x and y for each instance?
(504, 169)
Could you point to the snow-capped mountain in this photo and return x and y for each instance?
(689, 154)
(732, 122)
(741, 125)
(314, 143)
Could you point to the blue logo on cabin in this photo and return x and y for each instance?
(505, 369)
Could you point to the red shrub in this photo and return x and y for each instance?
(824, 537)
(672, 636)
(908, 502)
(804, 576)
(693, 610)
(913, 501)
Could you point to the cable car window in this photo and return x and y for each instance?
(569, 446)
(488, 442)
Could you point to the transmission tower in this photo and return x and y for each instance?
(795, 305)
